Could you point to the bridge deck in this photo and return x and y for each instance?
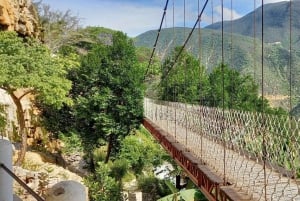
(244, 176)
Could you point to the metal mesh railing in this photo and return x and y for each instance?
(262, 151)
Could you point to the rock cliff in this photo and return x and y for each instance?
(20, 16)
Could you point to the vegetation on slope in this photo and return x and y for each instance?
(276, 23)
(103, 109)
(27, 67)
(188, 82)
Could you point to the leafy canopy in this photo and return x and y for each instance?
(187, 81)
(107, 91)
(183, 81)
(27, 64)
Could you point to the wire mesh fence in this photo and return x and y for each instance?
(255, 152)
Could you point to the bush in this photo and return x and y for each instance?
(72, 142)
(102, 186)
(153, 186)
(118, 169)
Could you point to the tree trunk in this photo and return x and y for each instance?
(22, 129)
(109, 147)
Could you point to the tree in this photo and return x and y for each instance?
(108, 94)
(102, 186)
(238, 91)
(27, 67)
(141, 152)
(183, 81)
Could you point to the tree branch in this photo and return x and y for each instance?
(27, 92)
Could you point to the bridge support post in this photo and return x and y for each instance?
(6, 181)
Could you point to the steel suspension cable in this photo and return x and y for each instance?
(254, 40)
(294, 141)
(185, 76)
(223, 93)
(174, 89)
(264, 148)
(290, 58)
(187, 40)
(200, 79)
(158, 33)
(231, 106)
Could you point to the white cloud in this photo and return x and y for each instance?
(217, 15)
(272, 1)
(228, 13)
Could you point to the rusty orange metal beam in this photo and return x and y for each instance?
(207, 181)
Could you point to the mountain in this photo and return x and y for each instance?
(241, 50)
(276, 23)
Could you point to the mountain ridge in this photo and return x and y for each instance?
(241, 50)
(276, 22)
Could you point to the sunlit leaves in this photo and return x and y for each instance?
(26, 63)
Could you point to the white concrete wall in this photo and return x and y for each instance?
(6, 181)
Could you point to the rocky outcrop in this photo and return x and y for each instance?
(20, 16)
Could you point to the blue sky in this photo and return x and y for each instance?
(137, 16)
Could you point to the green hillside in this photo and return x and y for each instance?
(243, 55)
(241, 50)
(276, 23)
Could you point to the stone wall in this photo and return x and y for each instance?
(20, 16)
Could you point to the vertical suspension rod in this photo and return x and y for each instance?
(223, 94)
(264, 151)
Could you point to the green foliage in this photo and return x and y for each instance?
(183, 81)
(242, 53)
(29, 64)
(143, 56)
(72, 142)
(118, 169)
(141, 152)
(99, 154)
(185, 195)
(155, 187)
(235, 90)
(56, 120)
(102, 186)
(223, 87)
(108, 94)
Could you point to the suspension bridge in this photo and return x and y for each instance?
(224, 153)
(230, 154)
